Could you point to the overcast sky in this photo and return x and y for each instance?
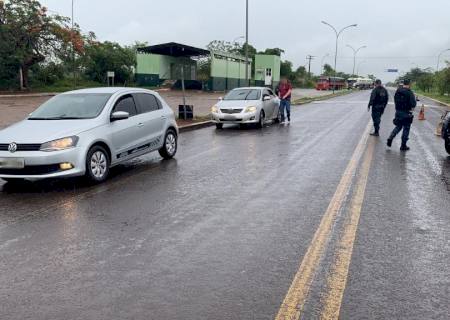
(398, 34)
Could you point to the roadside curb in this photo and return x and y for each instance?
(30, 95)
(196, 126)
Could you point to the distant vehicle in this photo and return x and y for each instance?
(86, 132)
(331, 83)
(252, 105)
(446, 131)
(351, 82)
(364, 84)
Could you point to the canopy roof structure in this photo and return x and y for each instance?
(175, 50)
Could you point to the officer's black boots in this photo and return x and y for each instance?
(375, 134)
(404, 147)
(389, 142)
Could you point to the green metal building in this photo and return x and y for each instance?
(156, 64)
(228, 71)
(267, 70)
(174, 61)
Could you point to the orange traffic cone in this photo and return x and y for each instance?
(422, 113)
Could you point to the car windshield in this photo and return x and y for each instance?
(71, 106)
(243, 94)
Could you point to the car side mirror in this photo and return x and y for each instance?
(267, 98)
(119, 115)
(220, 98)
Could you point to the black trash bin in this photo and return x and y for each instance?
(185, 112)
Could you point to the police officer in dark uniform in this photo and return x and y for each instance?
(405, 102)
(378, 101)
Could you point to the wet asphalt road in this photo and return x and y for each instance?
(219, 232)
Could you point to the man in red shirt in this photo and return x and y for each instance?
(284, 93)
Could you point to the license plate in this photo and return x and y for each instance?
(12, 163)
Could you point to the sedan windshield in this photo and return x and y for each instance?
(71, 106)
(243, 94)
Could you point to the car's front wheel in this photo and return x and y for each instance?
(170, 146)
(219, 126)
(447, 145)
(97, 164)
(262, 119)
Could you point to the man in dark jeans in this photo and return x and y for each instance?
(378, 101)
(284, 93)
(405, 102)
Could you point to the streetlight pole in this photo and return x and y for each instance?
(338, 33)
(246, 42)
(355, 52)
(439, 58)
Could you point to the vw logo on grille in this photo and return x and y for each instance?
(12, 147)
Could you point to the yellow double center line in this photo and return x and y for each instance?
(294, 302)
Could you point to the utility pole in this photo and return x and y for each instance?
(309, 58)
(338, 33)
(246, 43)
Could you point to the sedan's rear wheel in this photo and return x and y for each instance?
(447, 145)
(169, 149)
(262, 119)
(97, 164)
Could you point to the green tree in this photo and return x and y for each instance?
(101, 57)
(273, 51)
(30, 36)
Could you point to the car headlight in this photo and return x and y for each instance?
(250, 109)
(60, 144)
(215, 109)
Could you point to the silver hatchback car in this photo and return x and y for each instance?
(86, 132)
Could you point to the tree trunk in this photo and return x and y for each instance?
(20, 78)
(25, 70)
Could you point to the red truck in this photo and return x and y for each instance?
(330, 83)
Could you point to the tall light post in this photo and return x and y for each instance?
(246, 42)
(355, 52)
(323, 60)
(338, 33)
(439, 58)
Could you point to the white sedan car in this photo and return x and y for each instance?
(247, 105)
(86, 132)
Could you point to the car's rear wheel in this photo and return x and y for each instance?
(219, 126)
(447, 145)
(262, 119)
(97, 164)
(170, 146)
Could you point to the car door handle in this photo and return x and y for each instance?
(163, 117)
(140, 125)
